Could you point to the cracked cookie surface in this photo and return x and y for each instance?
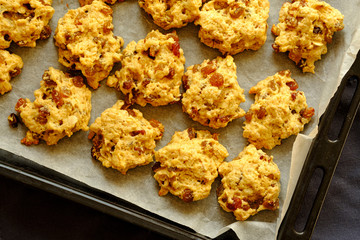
(172, 13)
(278, 112)
(213, 94)
(233, 26)
(24, 22)
(304, 29)
(250, 183)
(151, 70)
(86, 41)
(10, 66)
(123, 139)
(187, 165)
(61, 107)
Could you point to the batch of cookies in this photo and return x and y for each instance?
(152, 72)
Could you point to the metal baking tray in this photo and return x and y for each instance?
(323, 154)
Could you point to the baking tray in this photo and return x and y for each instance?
(323, 154)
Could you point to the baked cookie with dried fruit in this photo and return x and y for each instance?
(61, 107)
(213, 94)
(10, 66)
(24, 22)
(187, 165)
(233, 26)
(171, 13)
(86, 41)
(304, 29)
(151, 70)
(278, 112)
(123, 139)
(250, 183)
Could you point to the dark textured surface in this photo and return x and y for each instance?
(29, 213)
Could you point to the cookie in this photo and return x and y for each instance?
(304, 29)
(10, 66)
(24, 22)
(86, 41)
(278, 112)
(171, 13)
(187, 165)
(233, 26)
(62, 106)
(123, 139)
(87, 2)
(250, 183)
(213, 94)
(151, 70)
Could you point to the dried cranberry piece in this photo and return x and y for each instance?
(208, 69)
(217, 80)
(78, 81)
(261, 113)
(307, 112)
(171, 73)
(292, 85)
(191, 133)
(43, 114)
(20, 103)
(127, 84)
(57, 98)
(187, 195)
(137, 132)
(235, 204)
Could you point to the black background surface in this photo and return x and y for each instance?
(29, 213)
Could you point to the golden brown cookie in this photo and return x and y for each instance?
(233, 26)
(123, 139)
(278, 112)
(187, 165)
(304, 29)
(24, 22)
(151, 70)
(86, 41)
(10, 66)
(172, 13)
(62, 106)
(213, 94)
(250, 183)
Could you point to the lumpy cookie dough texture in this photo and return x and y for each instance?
(87, 2)
(10, 66)
(123, 138)
(304, 29)
(86, 41)
(213, 94)
(278, 112)
(233, 26)
(172, 13)
(62, 106)
(151, 70)
(24, 22)
(250, 183)
(187, 165)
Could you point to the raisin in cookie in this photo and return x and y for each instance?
(62, 106)
(250, 183)
(172, 13)
(278, 112)
(123, 138)
(151, 70)
(10, 66)
(213, 94)
(187, 165)
(24, 22)
(86, 41)
(304, 29)
(233, 26)
(87, 2)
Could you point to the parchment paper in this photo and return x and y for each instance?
(71, 156)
